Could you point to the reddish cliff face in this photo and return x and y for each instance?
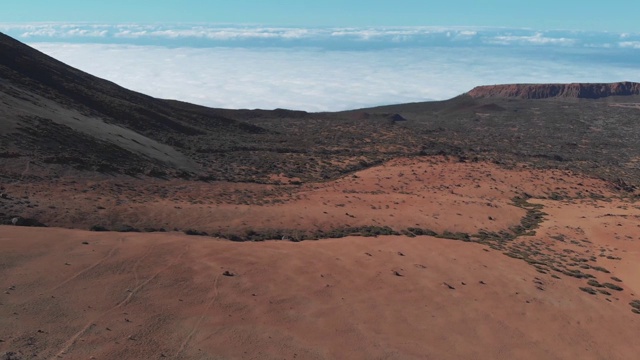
(543, 91)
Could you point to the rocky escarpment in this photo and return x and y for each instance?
(543, 91)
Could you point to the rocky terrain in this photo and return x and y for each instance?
(503, 223)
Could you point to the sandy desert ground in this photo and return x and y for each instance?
(561, 291)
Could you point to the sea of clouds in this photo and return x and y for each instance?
(327, 69)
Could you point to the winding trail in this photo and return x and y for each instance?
(73, 339)
(199, 322)
(94, 265)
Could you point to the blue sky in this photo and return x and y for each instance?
(618, 16)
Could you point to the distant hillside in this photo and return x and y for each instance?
(56, 120)
(543, 91)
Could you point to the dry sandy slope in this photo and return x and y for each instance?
(133, 296)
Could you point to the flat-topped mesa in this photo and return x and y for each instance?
(544, 91)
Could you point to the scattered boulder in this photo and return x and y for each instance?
(228, 273)
(396, 117)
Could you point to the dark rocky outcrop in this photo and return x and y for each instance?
(20, 221)
(396, 117)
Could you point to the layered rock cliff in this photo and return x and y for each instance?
(543, 91)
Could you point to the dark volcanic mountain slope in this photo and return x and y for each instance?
(58, 114)
(54, 118)
(544, 91)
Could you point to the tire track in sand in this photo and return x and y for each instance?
(73, 339)
(89, 268)
(201, 319)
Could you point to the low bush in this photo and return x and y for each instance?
(98, 228)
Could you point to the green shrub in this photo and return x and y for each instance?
(594, 283)
(127, 228)
(421, 232)
(612, 286)
(98, 228)
(589, 290)
(601, 269)
(454, 236)
(195, 232)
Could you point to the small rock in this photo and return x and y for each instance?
(400, 253)
(397, 273)
(449, 286)
(10, 355)
(482, 282)
(228, 273)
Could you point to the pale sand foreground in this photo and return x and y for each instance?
(146, 296)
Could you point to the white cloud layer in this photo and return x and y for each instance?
(317, 69)
(207, 35)
(630, 44)
(320, 79)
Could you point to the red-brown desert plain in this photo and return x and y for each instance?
(76, 294)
